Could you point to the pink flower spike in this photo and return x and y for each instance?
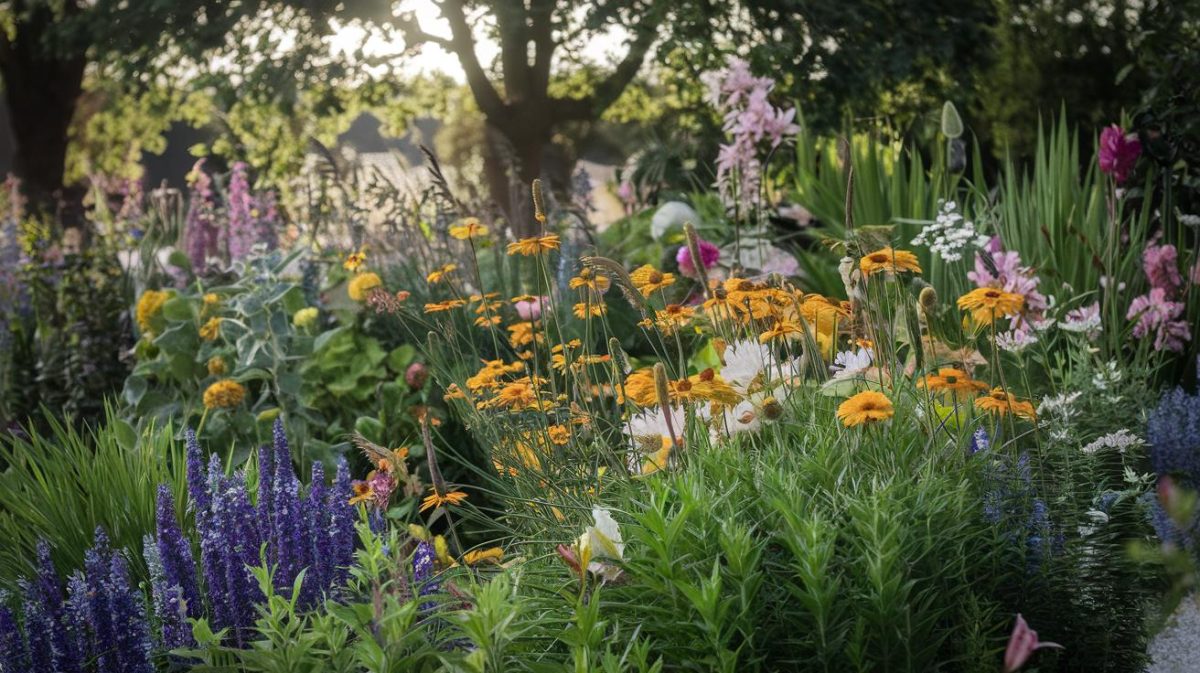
(1118, 152)
(1021, 645)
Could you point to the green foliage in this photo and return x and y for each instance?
(326, 379)
(60, 484)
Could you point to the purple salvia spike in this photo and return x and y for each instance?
(242, 553)
(13, 656)
(167, 600)
(289, 527)
(422, 566)
(197, 478)
(341, 525)
(50, 595)
(97, 566)
(266, 489)
(315, 524)
(201, 234)
(76, 624)
(38, 627)
(212, 558)
(175, 554)
(128, 619)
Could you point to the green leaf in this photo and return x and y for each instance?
(400, 357)
(178, 309)
(326, 337)
(135, 388)
(179, 259)
(178, 338)
(253, 374)
(370, 428)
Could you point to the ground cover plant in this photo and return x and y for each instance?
(858, 403)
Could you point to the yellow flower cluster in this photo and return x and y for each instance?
(149, 307)
(361, 285)
(224, 394)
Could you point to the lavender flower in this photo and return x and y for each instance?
(212, 542)
(289, 525)
(38, 627)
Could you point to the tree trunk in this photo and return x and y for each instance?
(41, 88)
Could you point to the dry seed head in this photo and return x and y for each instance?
(618, 354)
(661, 387)
(928, 299)
(539, 205)
(693, 244)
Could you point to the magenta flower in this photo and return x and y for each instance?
(709, 254)
(1118, 152)
(1021, 645)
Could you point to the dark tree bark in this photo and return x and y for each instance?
(41, 87)
(526, 115)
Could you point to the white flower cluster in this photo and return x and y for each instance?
(950, 234)
(1119, 440)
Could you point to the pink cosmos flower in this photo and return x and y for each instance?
(1118, 152)
(709, 254)
(1021, 645)
(532, 309)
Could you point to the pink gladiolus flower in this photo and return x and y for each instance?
(531, 310)
(1118, 152)
(709, 254)
(1161, 267)
(1021, 645)
(1156, 313)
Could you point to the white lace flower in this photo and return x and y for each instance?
(1119, 440)
(950, 235)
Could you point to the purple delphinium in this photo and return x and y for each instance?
(242, 233)
(202, 235)
(175, 554)
(979, 441)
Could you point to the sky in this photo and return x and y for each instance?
(605, 49)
